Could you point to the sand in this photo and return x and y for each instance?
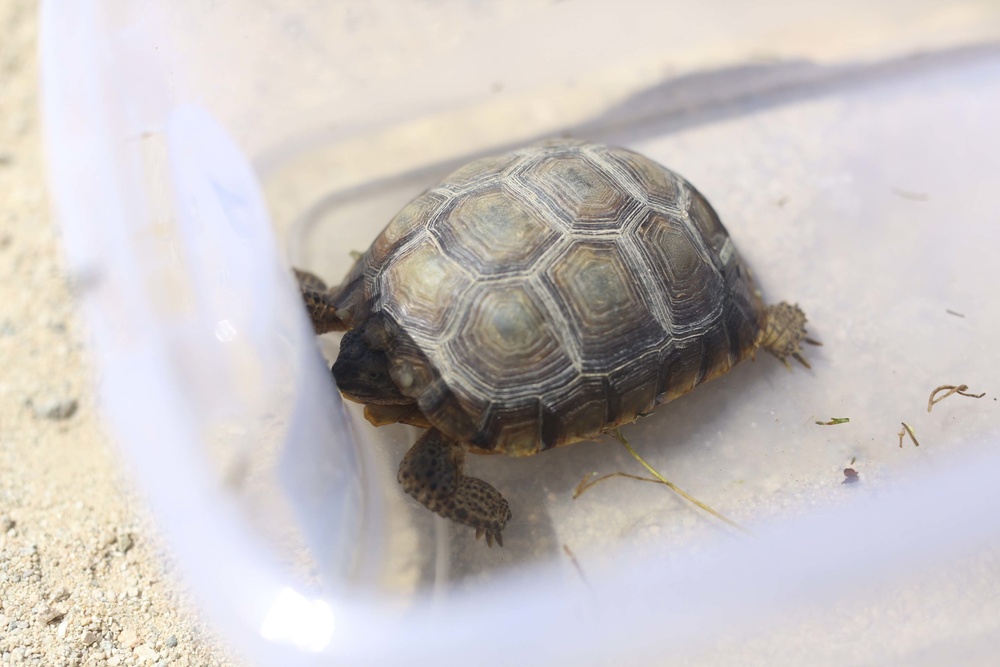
(84, 578)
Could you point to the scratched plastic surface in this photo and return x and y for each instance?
(860, 185)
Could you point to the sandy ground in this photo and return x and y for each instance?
(83, 577)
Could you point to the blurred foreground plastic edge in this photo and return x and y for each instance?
(627, 613)
(96, 184)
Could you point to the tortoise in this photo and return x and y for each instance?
(535, 299)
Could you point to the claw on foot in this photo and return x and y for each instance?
(491, 536)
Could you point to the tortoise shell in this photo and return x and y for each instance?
(544, 296)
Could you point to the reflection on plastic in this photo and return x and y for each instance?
(294, 619)
(225, 331)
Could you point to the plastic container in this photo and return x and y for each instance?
(199, 150)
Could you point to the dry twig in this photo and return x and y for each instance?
(961, 390)
(907, 430)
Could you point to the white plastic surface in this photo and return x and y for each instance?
(866, 192)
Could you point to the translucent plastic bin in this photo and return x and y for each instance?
(199, 150)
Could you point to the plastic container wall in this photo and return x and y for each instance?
(196, 149)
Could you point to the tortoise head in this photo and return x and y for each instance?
(362, 371)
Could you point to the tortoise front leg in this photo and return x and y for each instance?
(431, 472)
(319, 303)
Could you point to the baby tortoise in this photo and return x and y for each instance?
(535, 299)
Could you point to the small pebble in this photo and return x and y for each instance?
(171, 641)
(54, 408)
(125, 542)
(146, 653)
(51, 615)
(90, 637)
(6, 523)
(128, 638)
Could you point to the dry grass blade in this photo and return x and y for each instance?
(950, 389)
(834, 421)
(673, 487)
(587, 482)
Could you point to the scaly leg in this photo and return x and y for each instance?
(319, 303)
(431, 472)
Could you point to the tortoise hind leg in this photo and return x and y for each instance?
(319, 303)
(784, 331)
(431, 472)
